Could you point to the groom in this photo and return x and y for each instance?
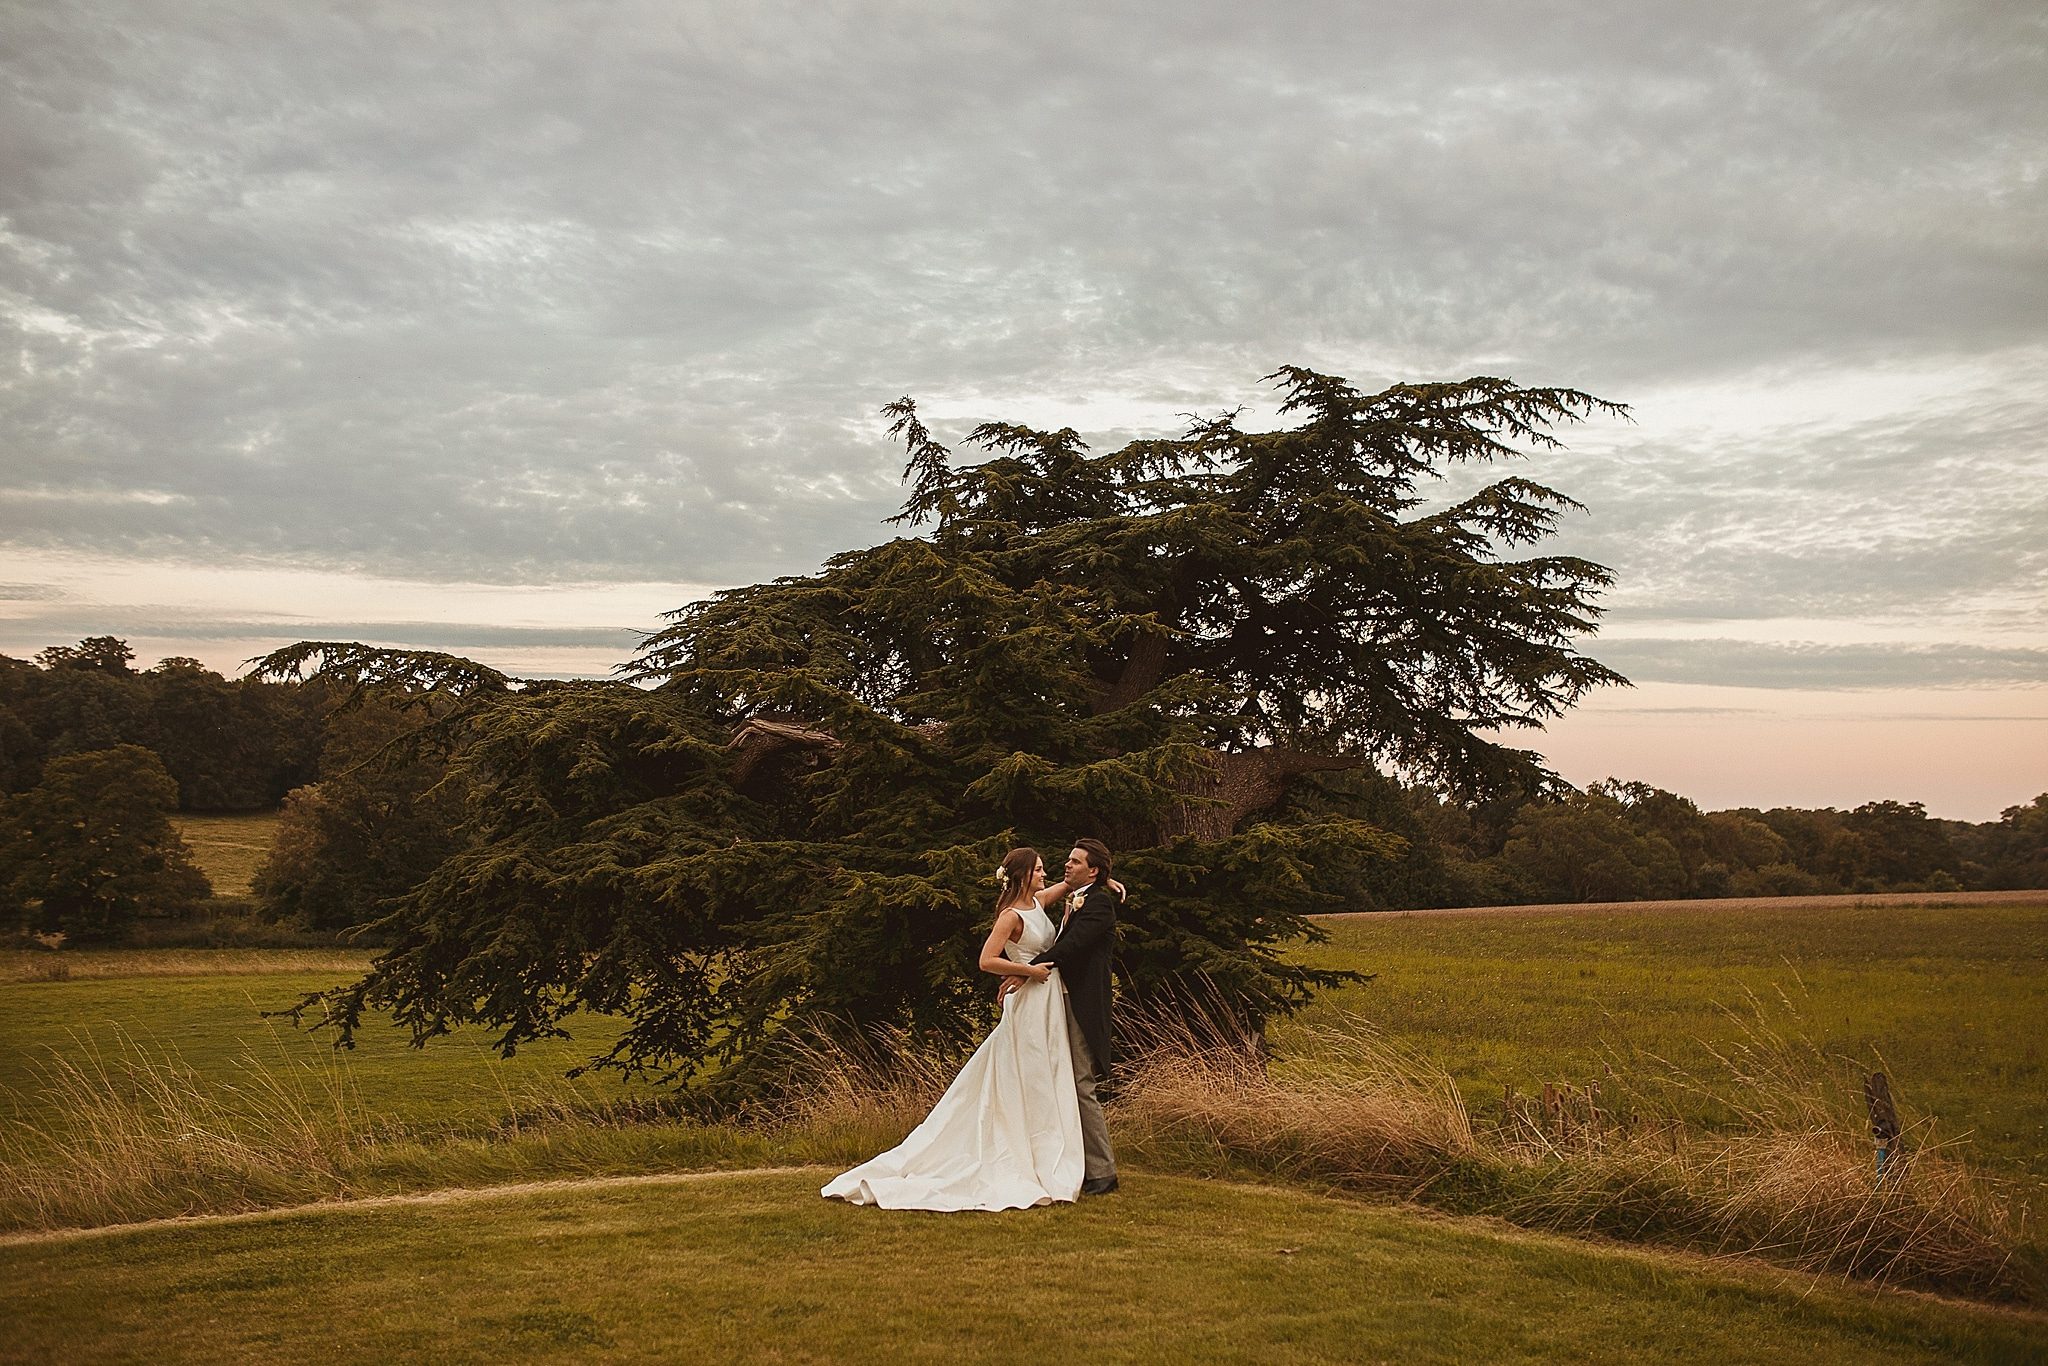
(1081, 953)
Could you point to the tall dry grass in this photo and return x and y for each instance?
(138, 1133)
(1351, 1110)
(1792, 1182)
(142, 1132)
(1793, 1177)
(849, 1096)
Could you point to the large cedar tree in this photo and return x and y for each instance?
(786, 809)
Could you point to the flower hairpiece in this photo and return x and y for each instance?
(1002, 876)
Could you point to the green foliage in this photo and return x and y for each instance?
(1629, 841)
(78, 710)
(1901, 845)
(89, 848)
(95, 654)
(1417, 867)
(2015, 851)
(373, 829)
(231, 746)
(786, 810)
(1586, 848)
(21, 752)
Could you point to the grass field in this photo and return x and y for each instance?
(144, 1083)
(228, 848)
(214, 1025)
(38, 965)
(756, 1267)
(1952, 1003)
(153, 1096)
(172, 1045)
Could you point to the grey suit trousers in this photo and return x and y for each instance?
(1099, 1160)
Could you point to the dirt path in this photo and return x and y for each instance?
(1734, 903)
(447, 1196)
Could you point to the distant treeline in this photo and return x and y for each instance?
(94, 752)
(1628, 841)
(83, 732)
(229, 745)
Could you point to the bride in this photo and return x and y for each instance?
(1007, 1133)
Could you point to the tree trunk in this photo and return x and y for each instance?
(1143, 669)
(1242, 784)
(756, 741)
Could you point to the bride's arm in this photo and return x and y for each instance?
(992, 959)
(1059, 889)
(1052, 894)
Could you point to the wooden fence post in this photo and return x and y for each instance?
(1884, 1120)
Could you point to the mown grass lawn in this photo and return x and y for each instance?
(1951, 1002)
(757, 1267)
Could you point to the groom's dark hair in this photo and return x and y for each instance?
(1098, 857)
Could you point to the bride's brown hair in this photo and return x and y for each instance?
(1015, 872)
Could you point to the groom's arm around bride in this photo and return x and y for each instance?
(1082, 953)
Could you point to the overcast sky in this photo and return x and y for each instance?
(500, 330)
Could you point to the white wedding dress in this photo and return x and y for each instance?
(1007, 1133)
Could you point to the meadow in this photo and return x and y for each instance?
(1657, 1008)
(1664, 1009)
(229, 846)
(142, 1084)
(215, 1027)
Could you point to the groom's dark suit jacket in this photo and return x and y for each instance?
(1082, 952)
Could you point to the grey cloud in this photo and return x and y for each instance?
(1751, 664)
(430, 635)
(1932, 511)
(61, 625)
(617, 292)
